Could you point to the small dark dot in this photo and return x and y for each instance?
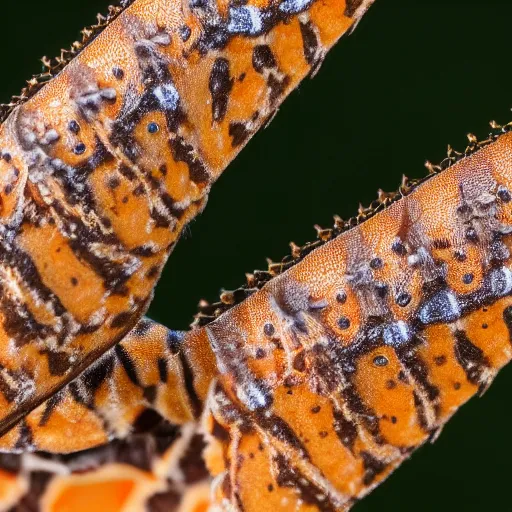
(323, 434)
(7, 157)
(270, 487)
(242, 76)
(504, 194)
(185, 33)
(260, 353)
(484, 326)
(403, 298)
(390, 384)
(315, 409)
(79, 149)
(467, 278)
(456, 385)
(394, 419)
(153, 127)
(106, 222)
(376, 263)
(251, 455)
(341, 297)
(118, 73)
(125, 199)
(163, 169)
(74, 281)
(8, 189)
(73, 127)
(269, 329)
(440, 360)
(380, 361)
(113, 182)
(382, 290)
(471, 234)
(399, 248)
(460, 256)
(343, 322)
(485, 310)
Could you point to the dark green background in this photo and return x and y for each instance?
(415, 76)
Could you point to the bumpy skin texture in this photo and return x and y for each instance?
(99, 173)
(336, 370)
(103, 167)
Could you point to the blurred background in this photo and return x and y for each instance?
(415, 76)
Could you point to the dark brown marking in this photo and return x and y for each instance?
(263, 58)
(309, 42)
(129, 366)
(220, 85)
(239, 133)
(471, 358)
(372, 467)
(351, 7)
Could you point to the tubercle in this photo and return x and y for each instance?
(256, 280)
(53, 66)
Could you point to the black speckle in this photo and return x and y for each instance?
(79, 149)
(467, 278)
(315, 409)
(456, 385)
(380, 361)
(113, 182)
(73, 127)
(74, 281)
(323, 434)
(341, 297)
(153, 128)
(270, 487)
(484, 326)
(7, 157)
(460, 256)
(440, 360)
(390, 384)
(269, 329)
(403, 299)
(8, 189)
(185, 33)
(260, 353)
(399, 248)
(118, 73)
(504, 194)
(376, 263)
(343, 322)
(471, 234)
(382, 290)
(394, 419)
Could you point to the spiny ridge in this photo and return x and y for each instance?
(52, 67)
(255, 281)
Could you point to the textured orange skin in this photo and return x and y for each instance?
(389, 412)
(97, 254)
(62, 304)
